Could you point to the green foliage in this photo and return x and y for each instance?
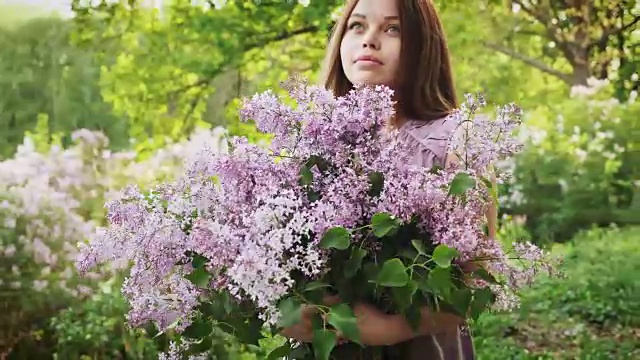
(42, 74)
(41, 137)
(396, 279)
(167, 65)
(393, 274)
(336, 238)
(158, 75)
(601, 288)
(15, 14)
(579, 166)
(97, 328)
(592, 314)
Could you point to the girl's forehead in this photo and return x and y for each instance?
(375, 9)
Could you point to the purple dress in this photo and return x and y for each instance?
(431, 141)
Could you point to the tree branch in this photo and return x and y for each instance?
(282, 36)
(529, 61)
(553, 31)
(187, 125)
(205, 81)
(615, 31)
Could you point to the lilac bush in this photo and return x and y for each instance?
(246, 237)
(588, 145)
(51, 198)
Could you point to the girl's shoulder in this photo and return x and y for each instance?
(430, 139)
(438, 129)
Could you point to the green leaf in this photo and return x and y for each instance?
(493, 191)
(199, 277)
(419, 246)
(300, 352)
(248, 332)
(336, 238)
(199, 261)
(323, 343)
(413, 317)
(370, 271)
(352, 265)
(461, 299)
(438, 281)
(376, 180)
(443, 255)
(199, 329)
(461, 183)
(393, 274)
(313, 196)
(317, 161)
(436, 169)
(281, 351)
(483, 274)
(383, 224)
(403, 296)
(224, 302)
(306, 176)
(290, 311)
(315, 285)
(482, 298)
(408, 253)
(344, 320)
(219, 306)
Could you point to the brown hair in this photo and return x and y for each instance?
(426, 90)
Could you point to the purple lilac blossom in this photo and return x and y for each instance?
(248, 213)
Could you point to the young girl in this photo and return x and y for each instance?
(401, 44)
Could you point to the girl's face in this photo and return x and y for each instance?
(370, 48)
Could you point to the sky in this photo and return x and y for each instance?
(62, 7)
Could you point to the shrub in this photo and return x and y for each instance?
(592, 314)
(579, 165)
(601, 288)
(96, 328)
(51, 199)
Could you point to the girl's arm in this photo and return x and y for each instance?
(434, 322)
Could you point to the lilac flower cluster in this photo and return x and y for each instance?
(257, 215)
(50, 200)
(43, 218)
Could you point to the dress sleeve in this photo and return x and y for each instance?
(429, 140)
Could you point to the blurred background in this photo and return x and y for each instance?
(98, 94)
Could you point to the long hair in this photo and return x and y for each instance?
(425, 88)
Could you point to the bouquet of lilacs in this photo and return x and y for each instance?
(247, 237)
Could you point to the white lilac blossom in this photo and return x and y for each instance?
(48, 198)
(258, 214)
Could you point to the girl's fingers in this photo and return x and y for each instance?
(330, 300)
(341, 339)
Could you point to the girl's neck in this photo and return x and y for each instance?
(398, 121)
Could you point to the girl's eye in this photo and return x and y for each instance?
(356, 25)
(394, 29)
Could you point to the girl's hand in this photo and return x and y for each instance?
(303, 331)
(376, 328)
(379, 329)
(469, 267)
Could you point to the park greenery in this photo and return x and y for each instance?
(122, 92)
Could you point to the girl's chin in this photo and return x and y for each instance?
(370, 82)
